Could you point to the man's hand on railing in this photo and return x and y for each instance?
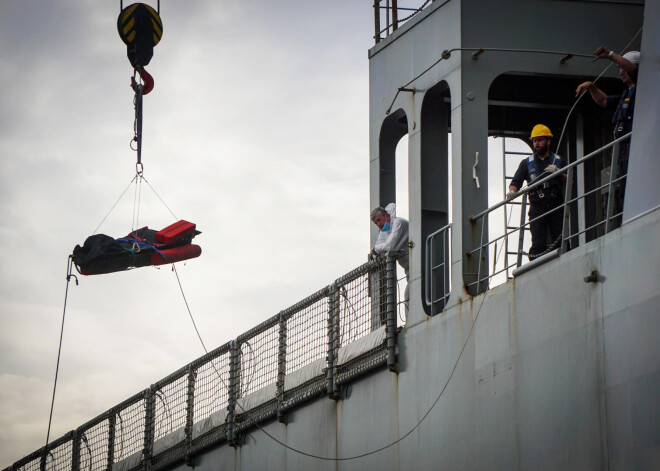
(510, 195)
(552, 168)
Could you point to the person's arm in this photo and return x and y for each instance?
(604, 53)
(518, 178)
(394, 237)
(560, 165)
(596, 93)
(380, 242)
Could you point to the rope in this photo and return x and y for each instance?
(554, 244)
(137, 179)
(594, 81)
(158, 196)
(349, 458)
(113, 206)
(69, 269)
(189, 312)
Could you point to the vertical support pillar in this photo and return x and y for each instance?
(281, 367)
(149, 427)
(190, 409)
(234, 379)
(112, 423)
(75, 452)
(390, 309)
(333, 341)
(469, 129)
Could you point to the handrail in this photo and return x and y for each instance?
(567, 233)
(549, 177)
(307, 332)
(430, 268)
(392, 19)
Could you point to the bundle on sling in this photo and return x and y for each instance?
(144, 247)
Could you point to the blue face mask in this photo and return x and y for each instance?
(386, 227)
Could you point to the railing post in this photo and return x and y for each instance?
(333, 341)
(149, 427)
(390, 309)
(395, 15)
(281, 367)
(429, 292)
(377, 19)
(234, 372)
(44, 457)
(521, 230)
(75, 452)
(446, 265)
(190, 409)
(614, 165)
(482, 257)
(567, 197)
(112, 422)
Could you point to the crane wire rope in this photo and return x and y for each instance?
(69, 274)
(114, 205)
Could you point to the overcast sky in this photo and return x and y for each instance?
(256, 130)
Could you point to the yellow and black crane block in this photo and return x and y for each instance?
(141, 28)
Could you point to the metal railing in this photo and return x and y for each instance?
(438, 265)
(569, 234)
(391, 14)
(291, 358)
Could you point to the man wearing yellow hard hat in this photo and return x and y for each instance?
(545, 224)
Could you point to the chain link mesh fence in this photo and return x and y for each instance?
(288, 359)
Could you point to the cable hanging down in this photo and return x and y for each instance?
(69, 275)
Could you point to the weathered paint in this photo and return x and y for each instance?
(557, 374)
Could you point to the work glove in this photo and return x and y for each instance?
(552, 168)
(510, 195)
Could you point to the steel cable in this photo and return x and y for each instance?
(69, 274)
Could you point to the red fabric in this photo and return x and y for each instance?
(176, 254)
(175, 231)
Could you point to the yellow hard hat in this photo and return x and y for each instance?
(541, 130)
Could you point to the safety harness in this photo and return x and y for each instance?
(532, 169)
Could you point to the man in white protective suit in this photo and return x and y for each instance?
(393, 240)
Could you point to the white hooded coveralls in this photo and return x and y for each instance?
(395, 239)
